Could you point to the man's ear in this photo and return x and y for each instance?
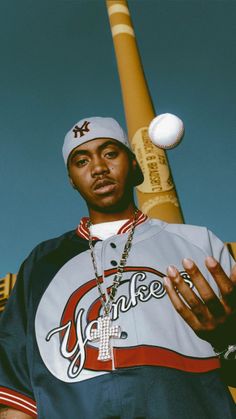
(137, 172)
(134, 165)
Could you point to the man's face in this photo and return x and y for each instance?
(101, 170)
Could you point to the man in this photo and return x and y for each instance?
(95, 329)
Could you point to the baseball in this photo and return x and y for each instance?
(166, 130)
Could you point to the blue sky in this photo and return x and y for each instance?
(58, 66)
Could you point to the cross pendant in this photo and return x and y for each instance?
(103, 334)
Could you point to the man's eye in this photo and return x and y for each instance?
(81, 162)
(111, 154)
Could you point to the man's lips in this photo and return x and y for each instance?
(104, 186)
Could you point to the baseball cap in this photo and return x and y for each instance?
(88, 129)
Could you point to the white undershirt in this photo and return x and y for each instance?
(104, 230)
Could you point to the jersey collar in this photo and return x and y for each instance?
(82, 229)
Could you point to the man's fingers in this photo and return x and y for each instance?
(190, 297)
(196, 305)
(180, 306)
(226, 285)
(209, 316)
(223, 281)
(207, 294)
(203, 287)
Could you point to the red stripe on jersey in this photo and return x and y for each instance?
(156, 356)
(18, 401)
(82, 229)
(140, 219)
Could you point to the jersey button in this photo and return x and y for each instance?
(113, 245)
(114, 263)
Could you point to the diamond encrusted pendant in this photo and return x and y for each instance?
(104, 332)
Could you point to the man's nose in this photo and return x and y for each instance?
(99, 167)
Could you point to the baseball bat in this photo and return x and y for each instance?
(156, 196)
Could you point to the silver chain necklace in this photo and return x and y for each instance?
(105, 331)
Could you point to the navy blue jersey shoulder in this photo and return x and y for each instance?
(48, 257)
(61, 245)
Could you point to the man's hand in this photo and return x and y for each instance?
(212, 319)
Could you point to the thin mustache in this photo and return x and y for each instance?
(102, 182)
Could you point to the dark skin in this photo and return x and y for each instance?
(102, 172)
(212, 319)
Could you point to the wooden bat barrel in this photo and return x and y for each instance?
(156, 196)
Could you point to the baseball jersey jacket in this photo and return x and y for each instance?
(159, 368)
